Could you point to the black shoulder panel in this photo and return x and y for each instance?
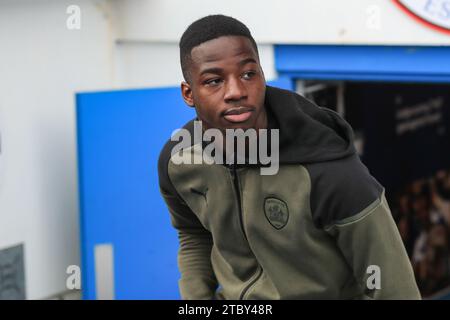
(340, 189)
(163, 162)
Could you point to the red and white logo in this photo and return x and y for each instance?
(432, 13)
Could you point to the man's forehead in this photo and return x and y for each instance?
(222, 48)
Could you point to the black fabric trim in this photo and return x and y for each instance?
(340, 189)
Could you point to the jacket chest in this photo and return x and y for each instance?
(243, 203)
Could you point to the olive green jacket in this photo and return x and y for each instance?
(320, 228)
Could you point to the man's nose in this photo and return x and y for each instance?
(235, 90)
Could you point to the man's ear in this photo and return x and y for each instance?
(186, 92)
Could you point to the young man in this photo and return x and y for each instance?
(319, 228)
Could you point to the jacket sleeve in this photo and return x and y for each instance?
(372, 245)
(198, 280)
(350, 205)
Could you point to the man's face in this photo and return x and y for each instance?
(227, 84)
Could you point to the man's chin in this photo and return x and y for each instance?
(244, 125)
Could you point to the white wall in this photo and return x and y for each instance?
(42, 64)
(281, 21)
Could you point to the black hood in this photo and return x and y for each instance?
(308, 133)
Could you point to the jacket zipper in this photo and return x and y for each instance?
(241, 222)
(238, 195)
(241, 297)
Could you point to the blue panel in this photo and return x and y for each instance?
(283, 83)
(120, 135)
(377, 63)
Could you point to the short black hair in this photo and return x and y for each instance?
(209, 28)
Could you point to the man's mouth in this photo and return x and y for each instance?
(238, 114)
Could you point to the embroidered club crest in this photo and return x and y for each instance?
(276, 212)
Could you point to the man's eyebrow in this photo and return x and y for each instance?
(248, 60)
(212, 70)
(219, 70)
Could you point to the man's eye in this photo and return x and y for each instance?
(213, 82)
(248, 75)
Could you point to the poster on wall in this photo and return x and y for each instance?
(12, 273)
(406, 131)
